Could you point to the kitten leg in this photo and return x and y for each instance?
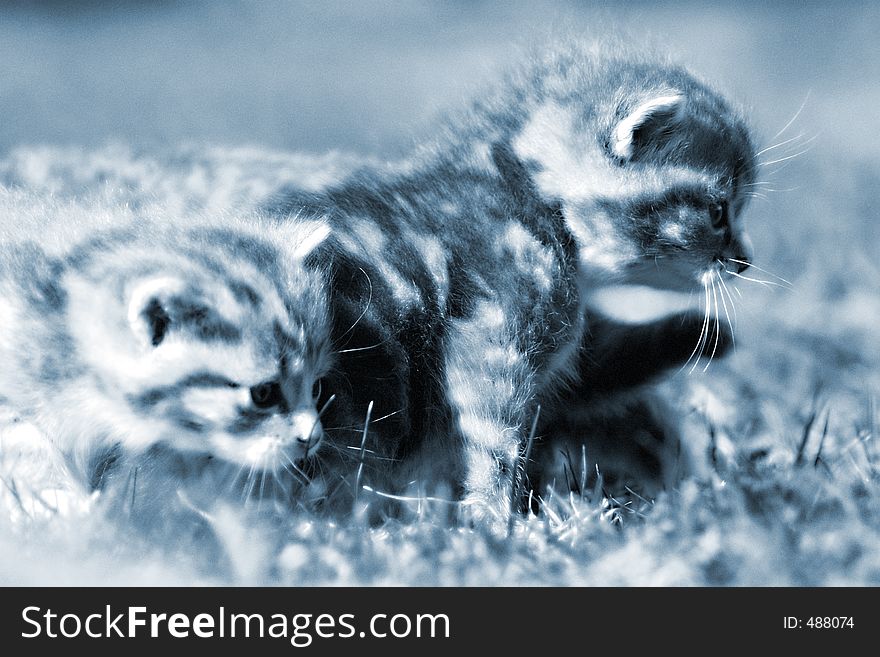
(490, 385)
(621, 356)
(632, 440)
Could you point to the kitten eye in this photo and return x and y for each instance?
(718, 215)
(266, 394)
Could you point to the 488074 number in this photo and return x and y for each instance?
(829, 622)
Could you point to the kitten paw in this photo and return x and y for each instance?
(485, 515)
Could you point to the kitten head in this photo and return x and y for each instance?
(649, 167)
(209, 340)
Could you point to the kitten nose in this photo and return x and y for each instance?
(305, 427)
(739, 253)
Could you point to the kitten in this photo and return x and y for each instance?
(138, 340)
(461, 284)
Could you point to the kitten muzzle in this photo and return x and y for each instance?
(305, 431)
(738, 254)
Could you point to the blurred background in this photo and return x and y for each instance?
(370, 77)
(365, 75)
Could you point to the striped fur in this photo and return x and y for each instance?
(206, 339)
(461, 283)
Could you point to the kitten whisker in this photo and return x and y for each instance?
(342, 452)
(348, 451)
(794, 118)
(277, 483)
(358, 429)
(770, 190)
(735, 322)
(251, 483)
(786, 158)
(262, 477)
(781, 167)
(757, 280)
(235, 478)
(299, 470)
(348, 428)
(754, 266)
(717, 324)
(777, 145)
(288, 470)
(699, 344)
(370, 453)
(704, 331)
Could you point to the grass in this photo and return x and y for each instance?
(783, 433)
(813, 522)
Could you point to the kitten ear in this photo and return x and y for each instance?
(148, 309)
(649, 124)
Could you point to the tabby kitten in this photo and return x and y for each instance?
(146, 338)
(462, 284)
